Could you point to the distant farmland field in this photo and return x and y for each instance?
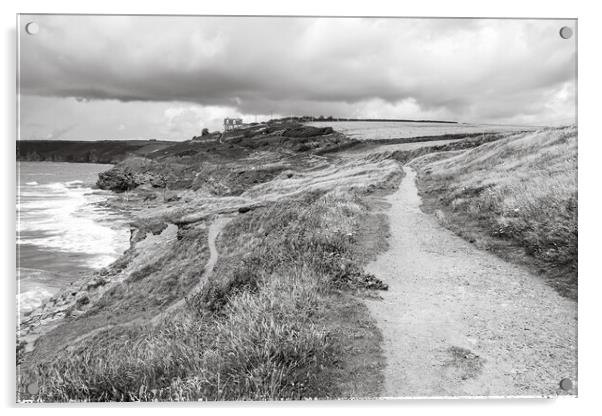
(378, 130)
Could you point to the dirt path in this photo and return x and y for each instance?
(460, 321)
(214, 229)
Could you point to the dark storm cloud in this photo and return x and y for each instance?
(462, 69)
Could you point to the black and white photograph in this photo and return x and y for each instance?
(265, 208)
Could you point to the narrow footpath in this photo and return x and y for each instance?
(462, 322)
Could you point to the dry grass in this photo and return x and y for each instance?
(260, 329)
(276, 319)
(263, 346)
(520, 191)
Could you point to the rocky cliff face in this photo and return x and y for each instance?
(133, 173)
(195, 164)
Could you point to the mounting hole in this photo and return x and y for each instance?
(566, 384)
(32, 28)
(32, 388)
(566, 32)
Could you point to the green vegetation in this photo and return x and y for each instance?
(516, 196)
(279, 317)
(468, 142)
(194, 163)
(312, 232)
(262, 346)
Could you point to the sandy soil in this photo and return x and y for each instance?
(459, 321)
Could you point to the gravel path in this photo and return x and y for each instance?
(459, 321)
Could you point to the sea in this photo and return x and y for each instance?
(65, 228)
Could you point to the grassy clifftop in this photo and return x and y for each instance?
(232, 154)
(286, 135)
(266, 307)
(516, 196)
(245, 273)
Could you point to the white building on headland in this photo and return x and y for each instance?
(232, 123)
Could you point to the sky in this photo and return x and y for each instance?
(153, 77)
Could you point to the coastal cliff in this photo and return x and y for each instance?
(246, 252)
(247, 275)
(104, 151)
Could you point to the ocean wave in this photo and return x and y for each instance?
(63, 228)
(57, 186)
(66, 216)
(69, 186)
(31, 299)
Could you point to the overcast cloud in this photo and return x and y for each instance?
(105, 77)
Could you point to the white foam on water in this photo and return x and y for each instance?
(31, 299)
(67, 217)
(59, 216)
